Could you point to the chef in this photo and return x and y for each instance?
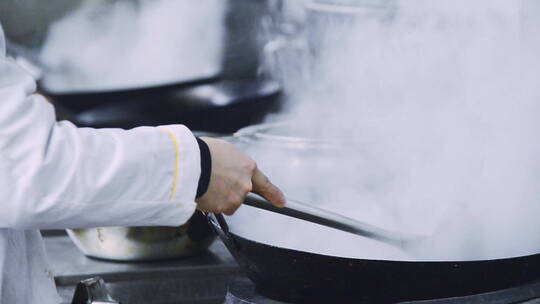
(55, 175)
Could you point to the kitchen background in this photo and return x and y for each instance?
(448, 150)
(28, 22)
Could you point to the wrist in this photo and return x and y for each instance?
(206, 168)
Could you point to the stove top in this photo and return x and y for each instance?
(242, 291)
(200, 279)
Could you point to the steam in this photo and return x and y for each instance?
(125, 44)
(438, 108)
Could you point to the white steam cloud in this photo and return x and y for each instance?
(125, 44)
(439, 107)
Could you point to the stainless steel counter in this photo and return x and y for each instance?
(199, 279)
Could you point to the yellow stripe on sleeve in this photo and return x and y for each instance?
(176, 162)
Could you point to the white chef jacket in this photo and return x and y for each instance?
(55, 175)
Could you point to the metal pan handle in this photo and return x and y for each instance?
(330, 219)
(220, 226)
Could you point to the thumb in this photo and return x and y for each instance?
(263, 186)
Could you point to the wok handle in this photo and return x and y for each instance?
(327, 218)
(218, 222)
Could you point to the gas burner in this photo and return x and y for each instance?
(242, 291)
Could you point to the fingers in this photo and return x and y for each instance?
(235, 202)
(262, 186)
(233, 176)
(232, 207)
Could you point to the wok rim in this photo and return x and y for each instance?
(438, 262)
(129, 89)
(258, 133)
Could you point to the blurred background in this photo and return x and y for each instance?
(124, 63)
(404, 109)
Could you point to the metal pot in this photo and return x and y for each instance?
(145, 243)
(303, 33)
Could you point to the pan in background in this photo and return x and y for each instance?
(78, 101)
(81, 100)
(221, 107)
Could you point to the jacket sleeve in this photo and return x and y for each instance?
(55, 175)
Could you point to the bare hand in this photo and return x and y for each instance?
(233, 176)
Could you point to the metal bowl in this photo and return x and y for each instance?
(285, 134)
(291, 154)
(145, 243)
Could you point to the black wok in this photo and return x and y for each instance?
(304, 277)
(221, 107)
(78, 101)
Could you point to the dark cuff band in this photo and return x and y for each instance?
(206, 168)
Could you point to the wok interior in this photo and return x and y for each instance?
(352, 183)
(285, 232)
(289, 233)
